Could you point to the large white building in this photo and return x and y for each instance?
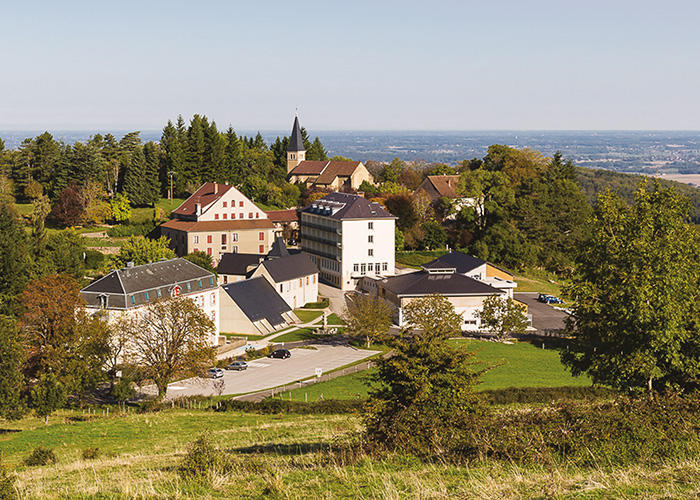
(130, 290)
(348, 238)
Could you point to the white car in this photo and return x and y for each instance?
(215, 373)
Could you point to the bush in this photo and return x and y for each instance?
(93, 259)
(545, 394)
(618, 433)
(273, 406)
(321, 304)
(40, 456)
(203, 461)
(123, 389)
(124, 230)
(91, 453)
(7, 484)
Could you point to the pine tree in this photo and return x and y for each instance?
(215, 155)
(233, 172)
(151, 154)
(174, 157)
(259, 143)
(316, 151)
(14, 258)
(195, 152)
(135, 186)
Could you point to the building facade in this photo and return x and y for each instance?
(218, 219)
(129, 291)
(348, 237)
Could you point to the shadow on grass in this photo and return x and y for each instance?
(286, 449)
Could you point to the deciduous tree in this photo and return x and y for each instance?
(368, 317)
(141, 250)
(503, 317)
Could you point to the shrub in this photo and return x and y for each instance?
(271, 405)
(321, 304)
(7, 483)
(124, 230)
(40, 456)
(203, 461)
(545, 394)
(93, 259)
(123, 389)
(91, 453)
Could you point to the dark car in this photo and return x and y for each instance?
(280, 353)
(543, 297)
(553, 300)
(215, 373)
(238, 365)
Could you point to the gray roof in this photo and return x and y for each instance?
(296, 142)
(258, 300)
(461, 262)
(290, 267)
(279, 249)
(148, 282)
(426, 283)
(237, 263)
(347, 206)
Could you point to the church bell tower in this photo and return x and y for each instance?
(295, 151)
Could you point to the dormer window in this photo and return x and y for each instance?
(103, 301)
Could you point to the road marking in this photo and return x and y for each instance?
(253, 363)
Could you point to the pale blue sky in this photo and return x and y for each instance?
(370, 65)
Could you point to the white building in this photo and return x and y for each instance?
(348, 237)
(130, 290)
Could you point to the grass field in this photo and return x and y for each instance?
(537, 280)
(519, 365)
(307, 316)
(334, 319)
(287, 456)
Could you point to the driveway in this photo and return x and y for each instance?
(544, 316)
(266, 373)
(336, 298)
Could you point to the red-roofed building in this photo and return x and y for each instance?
(286, 223)
(218, 219)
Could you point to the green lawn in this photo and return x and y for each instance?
(537, 280)
(301, 334)
(334, 319)
(519, 365)
(145, 214)
(307, 316)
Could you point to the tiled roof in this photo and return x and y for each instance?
(289, 215)
(207, 194)
(422, 283)
(258, 300)
(461, 262)
(347, 206)
(336, 169)
(290, 267)
(218, 225)
(309, 167)
(445, 185)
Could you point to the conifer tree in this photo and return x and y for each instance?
(233, 172)
(174, 156)
(151, 154)
(135, 186)
(316, 151)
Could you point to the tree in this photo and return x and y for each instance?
(33, 190)
(59, 337)
(402, 206)
(503, 317)
(399, 240)
(41, 210)
(201, 259)
(368, 317)
(48, 395)
(172, 337)
(120, 207)
(392, 171)
(11, 379)
(14, 258)
(635, 294)
(97, 209)
(141, 250)
(435, 236)
(316, 151)
(65, 251)
(136, 186)
(424, 393)
(69, 208)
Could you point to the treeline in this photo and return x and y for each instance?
(187, 154)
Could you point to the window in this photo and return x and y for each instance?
(189, 286)
(370, 252)
(158, 293)
(292, 156)
(103, 301)
(282, 288)
(211, 281)
(261, 249)
(212, 299)
(370, 238)
(225, 216)
(240, 204)
(300, 283)
(209, 238)
(195, 239)
(314, 278)
(216, 216)
(307, 280)
(250, 215)
(241, 216)
(356, 267)
(363, 268)
(384, 266)
(370, 267)
(261, 236)
(133, 299)
(234, 237)
(257, 215)
(199, 282)
(223, 239)
(234, 249)
(370, 225)
(208, 251)
(225, 279)
(224, 204)
(145, 295)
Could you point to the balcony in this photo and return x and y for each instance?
(328, 229)
(320, 239)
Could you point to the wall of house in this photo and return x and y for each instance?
(360, 175)
(355, 260)
(223, 279)
(233, 205)
(297, 292)
(492, 271)
(233, 320)
(237, 240)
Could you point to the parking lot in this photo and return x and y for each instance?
(265, 373)
(544, 316)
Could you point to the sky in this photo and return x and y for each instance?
(359, 65)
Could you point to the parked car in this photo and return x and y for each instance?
(553, 300)
(215, 373)
(280, 353)
(543, 297)
(238, 365)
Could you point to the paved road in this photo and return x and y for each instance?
(265, 373)
(544, 316)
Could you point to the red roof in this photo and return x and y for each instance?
(309, 167)
(289, 215)
(207, 194)
(218, 225)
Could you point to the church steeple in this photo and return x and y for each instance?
(296, 152)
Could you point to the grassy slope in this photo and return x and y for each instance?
(518, 365)
(285, 456)
(307, 316)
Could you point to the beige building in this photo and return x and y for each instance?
(219, 219)
(332, 175)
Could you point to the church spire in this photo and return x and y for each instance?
(296, 152)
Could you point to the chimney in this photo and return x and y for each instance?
(197, 209)
(216, 188)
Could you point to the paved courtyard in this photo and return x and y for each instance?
(544, 316)
(266, 373)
